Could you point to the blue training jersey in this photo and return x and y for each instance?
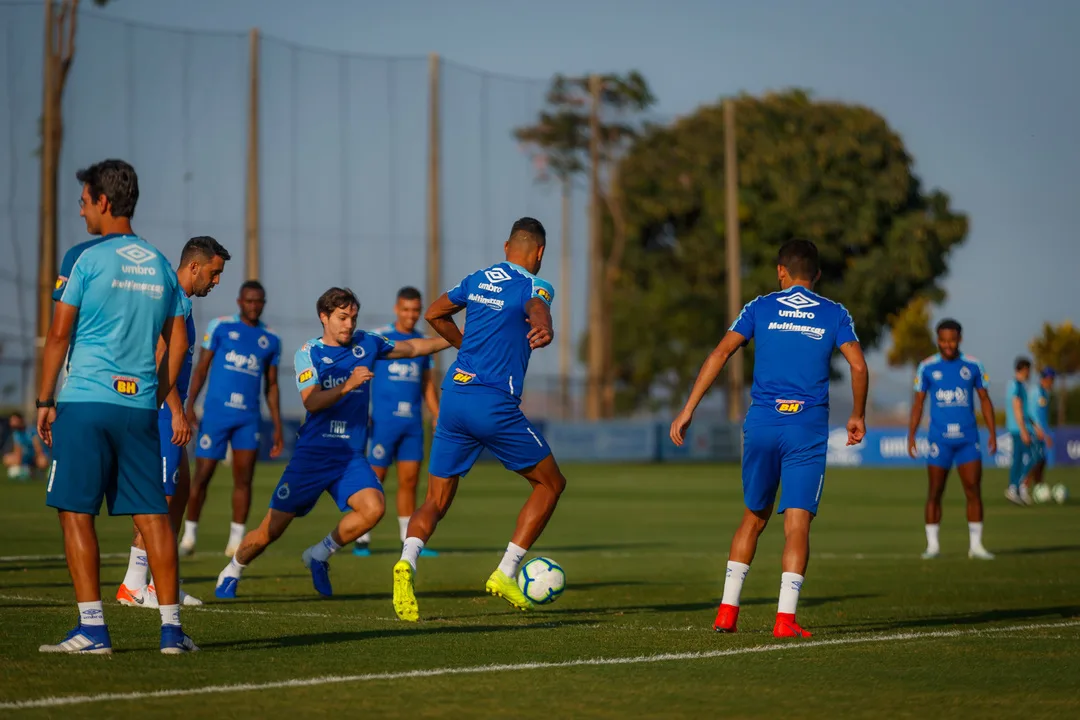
(397, 389)
(26, 445)
(344, 424)
(124, 290)
(183, 381)
(1039, 407)
(794, 333)
(952, 386)
(495, 350)
(242, 356)
(1016, 389)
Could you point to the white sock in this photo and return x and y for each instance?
(512, 560)
(91, 613)
(932, 538)
(170, 614)
(236, 533)
(191, 530)
(232, 570)
(411, 550)
(403, 526)
(975, 535)
(364, 539)
(790, 585)
(137, 569)
(736, 574)
(323, 550)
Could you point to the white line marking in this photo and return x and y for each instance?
(104, 556)
(202, 608)
(482, 669)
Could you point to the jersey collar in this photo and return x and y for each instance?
(520, 269)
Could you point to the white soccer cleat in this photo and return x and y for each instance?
(185, 599)
(1013, 496)
(189, 600)
(1025, 496)
(931, 554)
(187, 546)
(980, 553)
(231, 549)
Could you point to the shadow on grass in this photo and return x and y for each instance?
(986, 617)
(1047, 550)
(461, 594)
(534, 551)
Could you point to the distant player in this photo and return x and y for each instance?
(241, 355)
(120, 295)
(1018, 423)
(201, 264)
(952, 380)
(786, 432)
(1039, 413)
(509, 316)
(397, 429)
(25, 456)
(332, 374)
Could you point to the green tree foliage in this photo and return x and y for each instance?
(1058, 347)
(912, 338)
(833, 173)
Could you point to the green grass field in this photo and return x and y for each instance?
(644, 548)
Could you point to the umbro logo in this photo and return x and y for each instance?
(798, 304)
(496, 275)
(136, 253)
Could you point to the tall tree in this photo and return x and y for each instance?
(912, 338)
(1058, 347)
(61, 18)
(830, 172)
(560, 140)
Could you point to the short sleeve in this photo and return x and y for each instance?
(305, 369)
(845, 330)
(922, 384)
(459, 294)
(210, 339)
(744, 324)
(66, 266)
(383, 345)
(542, 289)
(982, 378)
(75, 287)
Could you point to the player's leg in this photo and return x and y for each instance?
(209, 451)
(251, 546)
(245, 448)
(362, 547)
(176, 495)
(1017, 470)
(802, 470)
(938, 462)
(383, 452)
(84, 465)
(139, 492)
(760, 480)
(969, 468)
(359, 494)
(410, 454)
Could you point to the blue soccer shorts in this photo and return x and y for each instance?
(396, 440)
(790, 458)
(311, 472)
(217, 432)
(1038, 451)
(944, 454)
(106, 452)
(170, 454)
(477, 418)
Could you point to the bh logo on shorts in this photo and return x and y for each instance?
(126, 386)
(463, 378)
(205, 442)
(789, 407)
(283, 492)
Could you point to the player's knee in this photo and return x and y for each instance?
(556, 483)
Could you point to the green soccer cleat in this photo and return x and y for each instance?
(501, 586)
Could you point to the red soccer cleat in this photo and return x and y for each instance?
(786, 627)
(726, 617)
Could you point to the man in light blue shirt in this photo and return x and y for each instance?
(1018, 424)
(119, 297)
(1039, 415)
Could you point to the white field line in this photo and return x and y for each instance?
(104, 556)
(57, 701)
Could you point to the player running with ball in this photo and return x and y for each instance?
(785, 434)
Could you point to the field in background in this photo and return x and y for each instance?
(644, 549)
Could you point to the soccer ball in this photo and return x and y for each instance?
(542, 580)
(1061, 494)
(1041, 493)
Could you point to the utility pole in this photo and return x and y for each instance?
(251, 212)
(734, 259)
(434, 245)
(565, 335)
(594, 389)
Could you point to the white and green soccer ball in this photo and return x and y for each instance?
(1041, 494)
(1060, 494)
(542, 580)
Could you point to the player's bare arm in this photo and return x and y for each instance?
(57, 342)
(273, 401)
(988, 417)
(1018, 413)
(198, 379)
(440, 315)
(860, 387)
(542, 331)
(174, 332)
(418, 347)
(917, 401)
(181, 428)
(714, 363)
(431, 396)
(318, 398)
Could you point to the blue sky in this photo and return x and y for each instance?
(983, 93)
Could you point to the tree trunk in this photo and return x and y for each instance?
(565, 334)
(594, 395)
(1062, 399)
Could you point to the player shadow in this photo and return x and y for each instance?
(1064, 612)
(1045, 550)
(286, 641)
(540, 551)
(696, 606)
(460, 594)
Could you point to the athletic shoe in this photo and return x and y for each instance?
(175, 642)
(786, 627)
(320, 573)
(500, 585)
(86, 639)
(726, 618)
(404, 596)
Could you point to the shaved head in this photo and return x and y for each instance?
(525, 246)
